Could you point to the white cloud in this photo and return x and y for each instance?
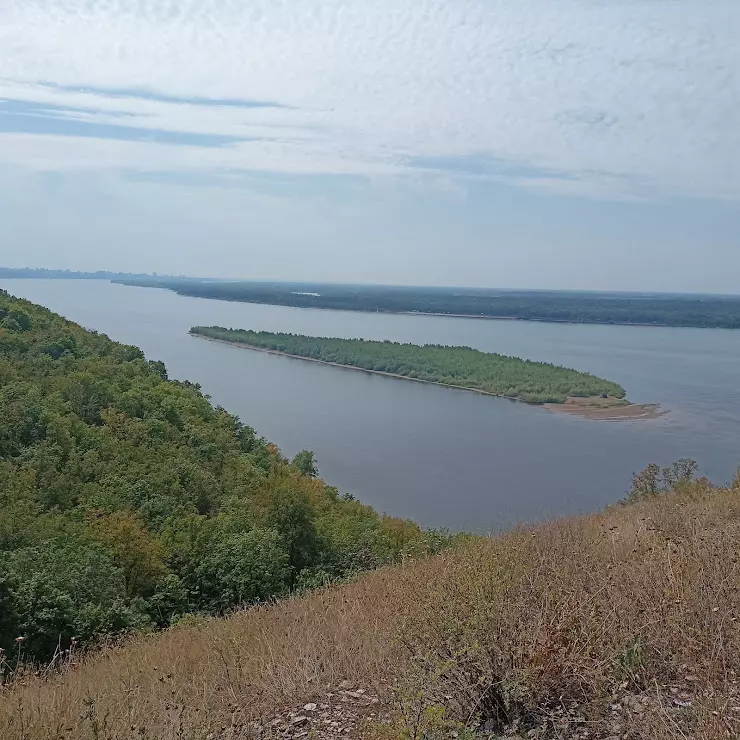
(612, 97)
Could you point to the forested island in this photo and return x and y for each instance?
(705, 311)
(128, 501)
(461, 367)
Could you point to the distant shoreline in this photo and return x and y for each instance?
(519, 318)
(573, 406)
(438, 314)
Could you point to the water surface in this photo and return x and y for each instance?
(441, 456)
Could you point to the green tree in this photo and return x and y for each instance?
(654, 479)
(291, 515)
(244, 568)
(133, 549)
(305, 461)
(9, 629)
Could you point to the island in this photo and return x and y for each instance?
(555, 387)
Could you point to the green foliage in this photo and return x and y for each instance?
(128, 501)
(8, 618)
(654, 480)
(306, 463)
(629, 662)
(244, 568)
(291, 516)
(532, 305)
(534, 382)
(67, 588)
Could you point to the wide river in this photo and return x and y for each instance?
(441, 456)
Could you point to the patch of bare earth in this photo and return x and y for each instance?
(607, 409)
(345, 712)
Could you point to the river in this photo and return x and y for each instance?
(444, 457)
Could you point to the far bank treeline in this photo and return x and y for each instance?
(533, 382)
(530, 305)
(127, 500)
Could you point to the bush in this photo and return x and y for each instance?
(245, 568)
(654, 480)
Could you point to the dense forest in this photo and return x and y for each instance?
(558, 306)
(533, 382)
(128, 500)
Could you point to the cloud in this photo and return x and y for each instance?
(607, 98)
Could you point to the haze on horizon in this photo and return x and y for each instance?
(588, 144)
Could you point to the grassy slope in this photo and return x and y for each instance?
(462, 367)
(625, 621)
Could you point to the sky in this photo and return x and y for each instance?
(584, 144)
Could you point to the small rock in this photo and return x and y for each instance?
(345, 685)
(310, 707)
(354, 694)
(301, 719)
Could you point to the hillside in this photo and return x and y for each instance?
(621, 625)
(128, 501)
(159, 565)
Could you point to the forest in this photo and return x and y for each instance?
(533, 382)
(554, 306)
(130, 502)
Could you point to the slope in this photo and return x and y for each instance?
(623, 624)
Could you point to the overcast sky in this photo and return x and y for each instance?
(508, 143)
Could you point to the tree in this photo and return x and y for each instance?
(305, 461)
(654, 479)
(67, 588)
(169, 600)
(680, 472)
(45, 615)
(8, 617)
(136, 552)
(291, 515)
(243, 568)
(645, 483)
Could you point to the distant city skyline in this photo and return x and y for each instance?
(491, 143)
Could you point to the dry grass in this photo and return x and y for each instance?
(618, 625)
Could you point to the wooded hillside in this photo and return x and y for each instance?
(128, 500)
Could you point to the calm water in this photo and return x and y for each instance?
(440, 456)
